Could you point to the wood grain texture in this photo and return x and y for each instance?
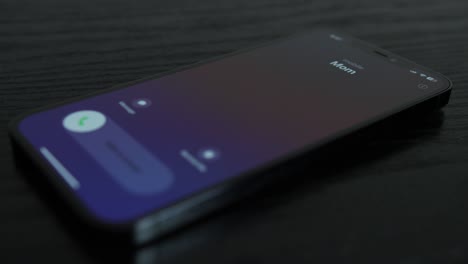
(403, 199)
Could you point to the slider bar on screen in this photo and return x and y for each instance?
(66, 175)
(127, 108)
(192, 160)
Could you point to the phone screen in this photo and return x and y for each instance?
(133, 150)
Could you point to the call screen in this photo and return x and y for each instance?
(132, 150)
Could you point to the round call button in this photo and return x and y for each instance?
(84, 121)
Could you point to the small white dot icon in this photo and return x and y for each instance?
(209, 154)
(141, 103)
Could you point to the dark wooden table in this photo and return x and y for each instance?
(400, 198)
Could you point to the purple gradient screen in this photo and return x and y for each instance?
(206, 124)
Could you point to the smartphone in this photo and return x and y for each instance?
(150, 156)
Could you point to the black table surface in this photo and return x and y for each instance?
(400, 198)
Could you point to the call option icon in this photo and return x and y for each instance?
(141, 103)
(84, 121)
(423, 86)
(209, 154)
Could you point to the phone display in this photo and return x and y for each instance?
(130, 151)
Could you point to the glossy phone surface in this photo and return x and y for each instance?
(133, 150)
